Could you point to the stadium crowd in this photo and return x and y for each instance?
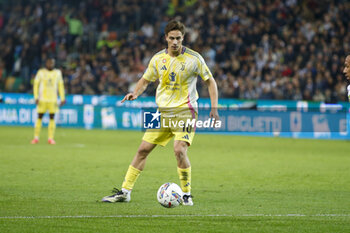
(268, 49)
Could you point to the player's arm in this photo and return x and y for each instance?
(206, 75)
(213, 93)
(36, 87)
(139, 89)
(61, 89)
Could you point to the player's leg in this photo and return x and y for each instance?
(51, 129)
(180, 150)
(53, 109)
(183, 139)
(149, 141)
(41, 108)
(134, 170)
(183, 166)
(137, 165)
(37, 128)
(183, 170)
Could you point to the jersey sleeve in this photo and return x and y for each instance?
(151, 73)
(61, 86)
(37, 80)
(203, 70)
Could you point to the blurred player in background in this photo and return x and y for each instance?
(47, 83)
(177, 69)
(347, 72)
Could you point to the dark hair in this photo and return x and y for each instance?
(174, 25)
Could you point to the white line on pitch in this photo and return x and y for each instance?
(167, 216)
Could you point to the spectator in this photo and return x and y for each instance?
(268, 49)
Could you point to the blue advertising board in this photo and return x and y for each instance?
(298, 124)
(266, 117)
(85, 116)
(141, 102)
(25, 115)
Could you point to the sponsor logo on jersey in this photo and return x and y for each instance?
(172, 76)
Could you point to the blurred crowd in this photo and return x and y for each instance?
(268, 49)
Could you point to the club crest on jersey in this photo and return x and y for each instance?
(164, 60)
(172, 77)
(182, 66)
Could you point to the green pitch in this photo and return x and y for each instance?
(240, 184)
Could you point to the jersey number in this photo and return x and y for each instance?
(188, 129)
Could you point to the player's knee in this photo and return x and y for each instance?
(52, 115)
(40, 115)
(180, 151)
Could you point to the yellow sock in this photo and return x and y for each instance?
(185, 179)
(130, 178)
(52, 127)
(37, 128)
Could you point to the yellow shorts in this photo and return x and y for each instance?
(44, 107)
(163, 137)
(168, 131)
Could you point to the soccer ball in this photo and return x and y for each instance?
(169, 195)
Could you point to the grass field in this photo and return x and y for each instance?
(240, 184)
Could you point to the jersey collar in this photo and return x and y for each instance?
(182, 50)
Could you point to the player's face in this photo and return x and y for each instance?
(174, 39)
(347, 67)
(50, 64)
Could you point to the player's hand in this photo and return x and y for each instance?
(63, 102)
(36, 102)
(130, 96)
(214, 114)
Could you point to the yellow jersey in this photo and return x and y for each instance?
(177, 77)
(46, 85)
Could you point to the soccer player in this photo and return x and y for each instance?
(177, 69)
(347, 72)
(48, 81)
